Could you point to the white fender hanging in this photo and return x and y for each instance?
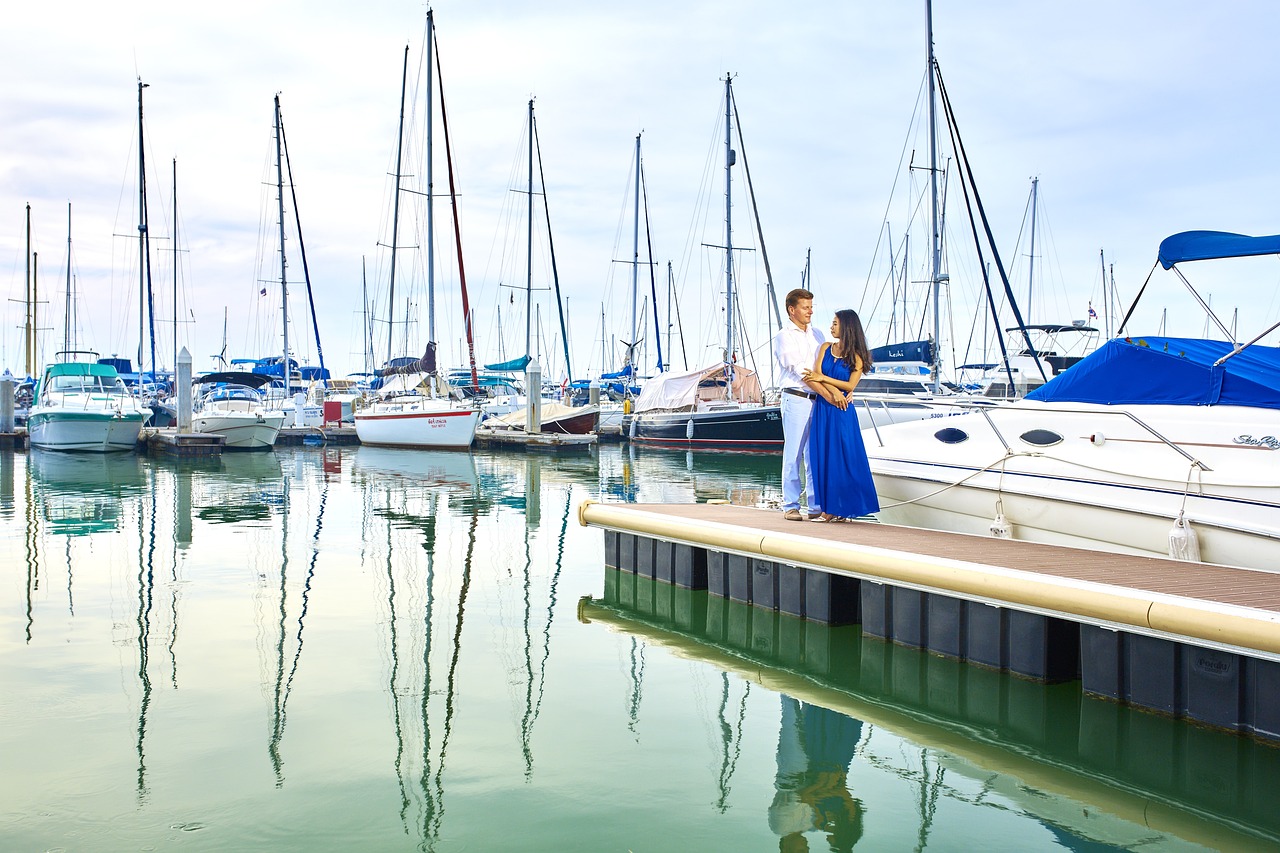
(1184, 544)
(1000, 526)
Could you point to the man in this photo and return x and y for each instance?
(795, 347)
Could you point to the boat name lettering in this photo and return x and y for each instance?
(1270, 442)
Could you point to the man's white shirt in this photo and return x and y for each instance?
(794, 351)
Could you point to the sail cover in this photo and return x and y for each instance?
(685, 390)
(1169, 371)
(1208, 245)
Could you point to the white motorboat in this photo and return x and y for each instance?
(1149, 445)
(231, 405)
(85, 406)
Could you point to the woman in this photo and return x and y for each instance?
(838, 460)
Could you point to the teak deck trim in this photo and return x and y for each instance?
(1233, 608)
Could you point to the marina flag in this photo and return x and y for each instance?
(263, 292)
(1093, 315)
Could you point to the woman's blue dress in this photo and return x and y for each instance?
(838, 464)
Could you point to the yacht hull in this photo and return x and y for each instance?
(53, 428)
(1115, 478)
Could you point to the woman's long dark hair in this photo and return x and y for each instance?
(853, 340)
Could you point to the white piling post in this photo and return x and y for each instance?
(533, 393)
(8, 388)
(183, 381)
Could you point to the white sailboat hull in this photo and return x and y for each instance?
(421, 422)
(1110, 483)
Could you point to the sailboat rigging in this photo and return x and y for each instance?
(409, 411)
(718, 407)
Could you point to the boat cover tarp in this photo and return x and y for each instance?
(909, 351)
(1169, 371)
(1208, 245)
(426, 364)
(234, 377)
(515, 365)
(683, 390)
(624, 373)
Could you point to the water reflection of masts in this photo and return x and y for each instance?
(146, 598)
(434, 788)
(636, 673)
(533, 706)
(730, 740)
(32, 531)
(284, 684)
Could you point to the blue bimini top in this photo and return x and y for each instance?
(1169, 371)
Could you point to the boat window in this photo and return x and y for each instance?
(1041, 437)
(951, 435)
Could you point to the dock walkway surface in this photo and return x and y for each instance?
(1232, 609)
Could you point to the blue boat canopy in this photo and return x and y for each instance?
(1170, 371)
(515, 365)
(1208, 245)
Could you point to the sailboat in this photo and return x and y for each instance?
(720, 406)
(415, 406)
(511, 412)
(288, 399)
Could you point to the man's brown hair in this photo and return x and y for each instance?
(794, 297)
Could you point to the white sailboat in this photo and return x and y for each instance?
(414, 406)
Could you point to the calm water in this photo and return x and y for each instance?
(366, 649)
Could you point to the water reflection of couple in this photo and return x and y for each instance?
(815, 749)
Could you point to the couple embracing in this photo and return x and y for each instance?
(819, 426)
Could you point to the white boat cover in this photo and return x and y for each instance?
(684, 390)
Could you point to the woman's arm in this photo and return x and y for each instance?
(841, 384)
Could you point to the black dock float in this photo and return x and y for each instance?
(1116, 625)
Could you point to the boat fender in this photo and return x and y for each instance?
(1000, 526)
(1184, 544)
(632, 430)
(1098, 439)
(688, 429)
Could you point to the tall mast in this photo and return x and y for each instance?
(395, 208)
(175, 266)
(635, 262)
(142, 231)
(936, 246)
(66, 323)
(284, 284)
(528, 286)
(29, 348)
(1031, 267)
(431, 243)
(728, 229)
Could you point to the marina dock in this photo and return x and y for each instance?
(1189, 640)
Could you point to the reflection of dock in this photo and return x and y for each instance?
(1183, 639)
(513, 439)
(1049, 750)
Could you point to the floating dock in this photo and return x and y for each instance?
(186, 445)
(298, 436)
(1189, 640)
(512, 439)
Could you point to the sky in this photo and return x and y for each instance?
(1138, 120)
